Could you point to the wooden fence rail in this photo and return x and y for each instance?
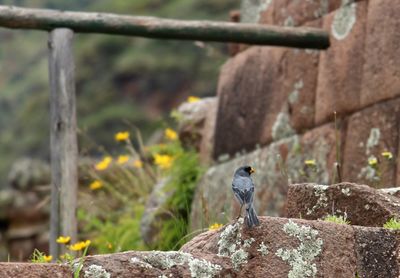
(62, 25)
(151, 27)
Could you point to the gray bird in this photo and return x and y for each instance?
(243, 188)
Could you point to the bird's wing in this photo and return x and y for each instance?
(243, 188)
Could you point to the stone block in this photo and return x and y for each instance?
(381, 78)
(340, 67)
(370, 133)
(359, 204)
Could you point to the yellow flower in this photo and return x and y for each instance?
(138, 163)
(372, 161)
(170, 134)
(47, 258)
(122, 136)
(122, 159)
(193, 99)
(163, 161)
(387, 155)
(109, 245)
(63, 239)
(102, 165)
(80, 245)
(310, 162)
(215, 226)
(96, 185)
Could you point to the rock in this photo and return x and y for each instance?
(26, 173)
(371, 132)
(28, 270)
(296, 13)
(208, 133)
(381, 79)
(361, 204)
(156, 264)
(155, 213)
(192, 121)
(344, 58)
(214, 201)
(246, 94)
(278, 248)
(265, 94)
(283, 247)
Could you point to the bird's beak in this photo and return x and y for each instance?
(252, 170)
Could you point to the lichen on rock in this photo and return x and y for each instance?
(343, 21)
(373, 139)
(263, 249)
(320, 192)
(96, 271)
(301, 259)
(282, 127)
(197, 267)
(250, 10)
(231, 245)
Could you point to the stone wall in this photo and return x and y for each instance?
(276, 105)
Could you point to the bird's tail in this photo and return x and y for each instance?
(251, 218)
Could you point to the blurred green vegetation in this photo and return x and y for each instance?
(110, 214)
(121, 81)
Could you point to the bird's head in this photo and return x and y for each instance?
(244, 171)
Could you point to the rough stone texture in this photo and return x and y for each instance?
(37, 270)
(296, 13)
(340, 67)
(253, 11)
(214, 202)
(246, 92)
(381, 79)
(278, 248)
(154, 213)
(269, 93)
(153, 264)
(371, 132)
(361, 204)
(208, 133)
(345, 250)
(193, 119)
(376, 253)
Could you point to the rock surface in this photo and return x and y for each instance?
(339, 90)
(278, 248)
(193, 119)
(154, 213)
(28, 270)
(381, 79)
(214, 201)
(370, 133)
(361, 204)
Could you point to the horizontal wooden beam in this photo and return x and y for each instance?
(151, 27)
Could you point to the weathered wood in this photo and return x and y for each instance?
(63, 138)
(301, 37)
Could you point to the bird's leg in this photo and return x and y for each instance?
(240, 212)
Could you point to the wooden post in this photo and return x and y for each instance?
(63, 138)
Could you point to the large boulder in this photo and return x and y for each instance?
(360, 204)
(278, 248)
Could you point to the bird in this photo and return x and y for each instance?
(243, 189)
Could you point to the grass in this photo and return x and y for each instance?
(392, 224)
(337, 219)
